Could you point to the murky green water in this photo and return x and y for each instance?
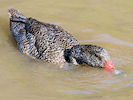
(108, 23)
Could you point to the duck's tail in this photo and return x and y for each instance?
(15, 15)
(17, 22)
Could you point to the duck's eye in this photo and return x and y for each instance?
(97, 56)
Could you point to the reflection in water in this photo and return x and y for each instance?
(82, 92)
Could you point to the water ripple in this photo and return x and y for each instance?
(108, 38)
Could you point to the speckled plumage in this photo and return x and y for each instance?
(40, 40)
(52, 43)
(91, 55)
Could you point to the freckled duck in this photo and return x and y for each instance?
(53, 44)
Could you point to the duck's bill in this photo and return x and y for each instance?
(109, 66)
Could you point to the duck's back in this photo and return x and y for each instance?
(50, 40)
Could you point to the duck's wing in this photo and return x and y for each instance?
(26, 44)
(51, 40)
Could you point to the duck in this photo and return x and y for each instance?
(53, 44)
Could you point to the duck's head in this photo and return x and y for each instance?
(91, 55)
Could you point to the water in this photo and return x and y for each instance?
(107, 23)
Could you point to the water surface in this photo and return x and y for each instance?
(108, 23)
